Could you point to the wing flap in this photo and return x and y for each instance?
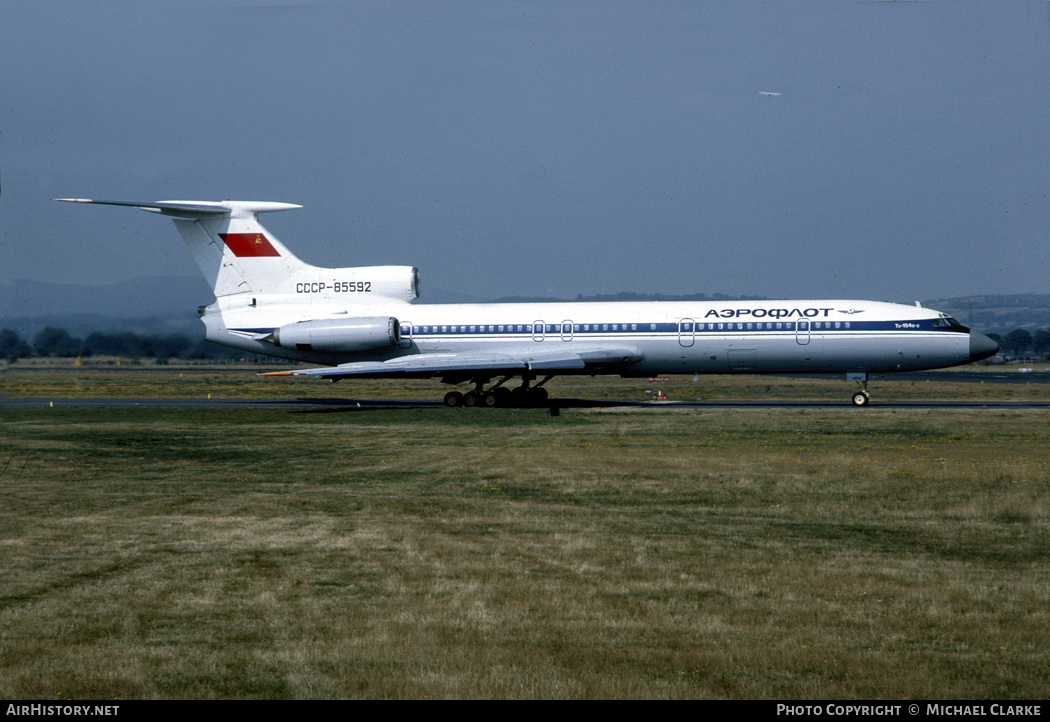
(426, 365)
(418, 365)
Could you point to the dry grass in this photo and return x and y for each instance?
(744, 554)
(64, 380)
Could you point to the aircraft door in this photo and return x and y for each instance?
(537, 331)
(566, 330)
(802, 332)
(686, 332)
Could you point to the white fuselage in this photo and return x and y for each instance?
(360, 321)
(821, 336)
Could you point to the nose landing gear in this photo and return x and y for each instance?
(860, 398)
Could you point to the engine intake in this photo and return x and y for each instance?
(338, 334)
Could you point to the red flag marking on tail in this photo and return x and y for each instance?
(248, 244)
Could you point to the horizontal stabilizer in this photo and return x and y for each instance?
(192, 209)
(231, 247)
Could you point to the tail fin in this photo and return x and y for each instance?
(235, 253)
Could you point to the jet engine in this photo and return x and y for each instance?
(338, 334)
(400, 282)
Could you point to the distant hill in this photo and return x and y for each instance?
(168, 304)
(623, 296)
(154, 296)
(998, 314)
(990, 314)
(163, 304)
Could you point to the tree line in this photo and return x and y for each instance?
(59, 343)
(1020, 342)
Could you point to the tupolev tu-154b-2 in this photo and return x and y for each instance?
(361, 322)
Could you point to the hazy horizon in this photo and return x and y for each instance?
(543, 148)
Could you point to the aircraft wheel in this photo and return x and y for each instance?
(519, 397)
(472, 398)
(453, 399)
(539, 396)
(860, 399)
(489, 400)
(503, 397)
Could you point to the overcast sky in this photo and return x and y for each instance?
(543, 147)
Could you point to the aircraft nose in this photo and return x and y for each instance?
(981, 346)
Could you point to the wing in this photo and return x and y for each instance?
(469, 364)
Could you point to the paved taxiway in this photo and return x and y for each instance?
(373, 404)
(350, 404)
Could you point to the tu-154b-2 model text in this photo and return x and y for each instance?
(361, 322)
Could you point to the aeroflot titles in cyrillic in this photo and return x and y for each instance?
(768, 312)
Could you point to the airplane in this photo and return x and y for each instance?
(361, 322)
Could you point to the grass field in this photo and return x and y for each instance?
(59, 380)
(272, 553)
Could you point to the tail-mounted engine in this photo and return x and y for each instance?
(400, 282)
(338, 334)
(357, 284)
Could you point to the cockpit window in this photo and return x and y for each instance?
(947, 322)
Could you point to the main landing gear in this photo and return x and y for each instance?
(523, 396)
